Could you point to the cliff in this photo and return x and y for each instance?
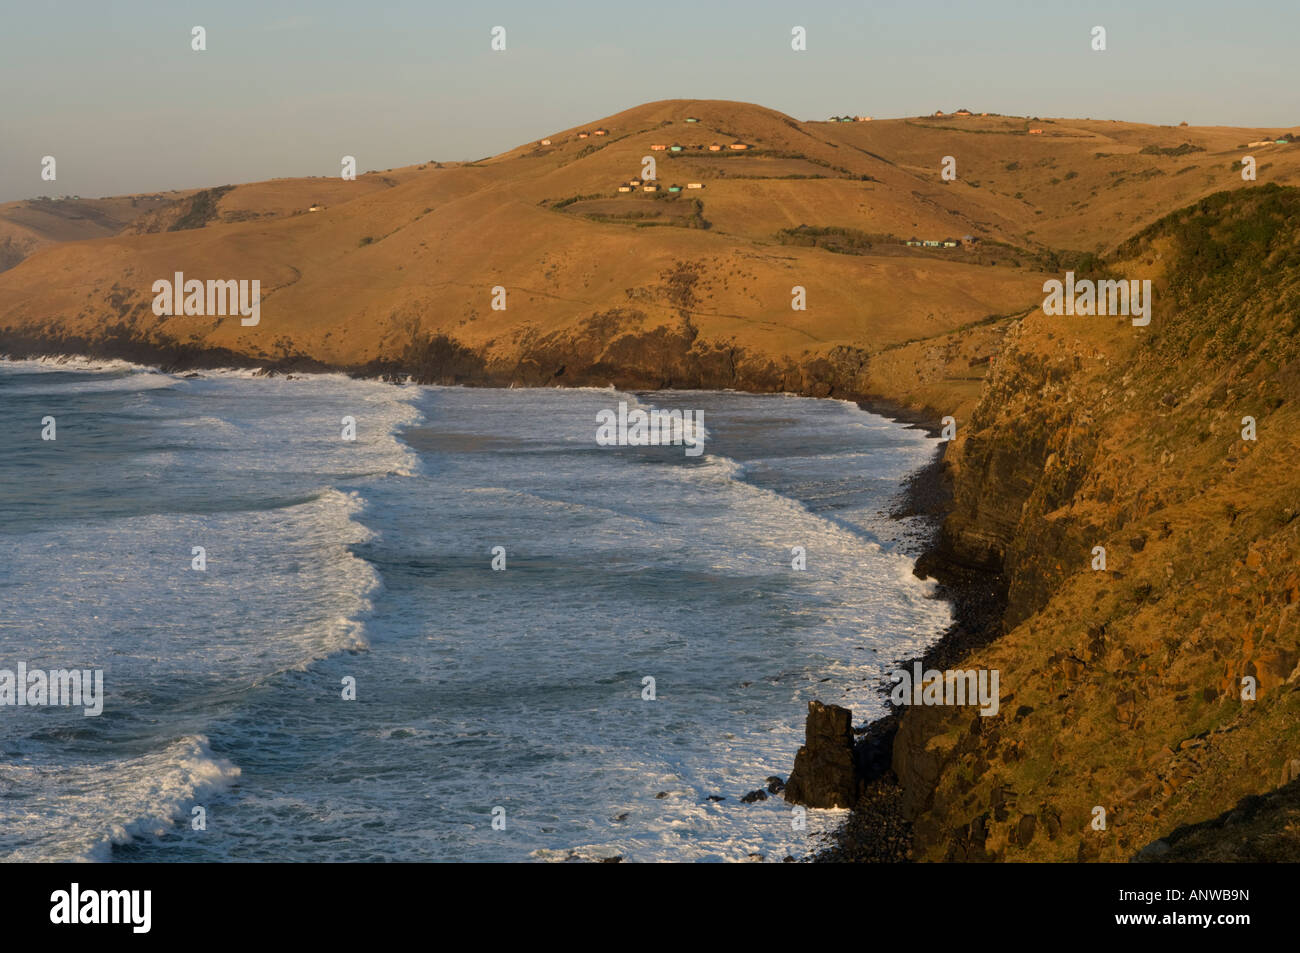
(1122, 688)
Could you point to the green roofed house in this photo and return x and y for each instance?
(675, 148)
(691, 119)
(1281, 142)
(674, 188)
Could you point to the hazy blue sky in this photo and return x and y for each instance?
(114, 92)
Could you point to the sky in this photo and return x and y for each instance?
(114, 91)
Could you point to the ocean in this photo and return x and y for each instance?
(348, 678)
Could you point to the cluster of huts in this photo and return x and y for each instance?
(633, 184)
(941, 242)
(715, 147)
(584, 134)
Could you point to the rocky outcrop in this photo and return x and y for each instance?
(824, 772)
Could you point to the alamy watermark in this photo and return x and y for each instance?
(655, 428)
(215, 297)
(59, 687)
(951, 687)
(1088, 297)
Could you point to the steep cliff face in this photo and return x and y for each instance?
(1128, 689)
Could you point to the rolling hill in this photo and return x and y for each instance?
(394, 272)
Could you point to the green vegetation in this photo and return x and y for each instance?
(843, 241)
(202, 208)
(565, 203)
(1185, 149)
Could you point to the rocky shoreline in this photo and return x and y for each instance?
(878, 830)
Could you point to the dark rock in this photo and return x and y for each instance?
(1153, 849)
(1025, 829)
(752, 796)
(775, 785)
(824, 774)
(716, 797)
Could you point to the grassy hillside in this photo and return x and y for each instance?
(653, 289)
(1123, 688)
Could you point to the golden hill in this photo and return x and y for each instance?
(395, 271)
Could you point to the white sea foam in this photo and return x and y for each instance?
(78, 811)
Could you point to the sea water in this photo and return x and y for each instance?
(348, 678)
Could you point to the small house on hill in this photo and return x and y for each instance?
(695, 185)
(1035, 132)
(546, 142)
(691, 119)
(962, 112)
(583, 135)
(674, 188)
(862, 119)
(625, 188)
(675, 148)
(739, 146)
(715, 148)
(601, 132)
(650, 188)
(658, 148)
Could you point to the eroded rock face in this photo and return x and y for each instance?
(824, 774)
(1154, 689)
